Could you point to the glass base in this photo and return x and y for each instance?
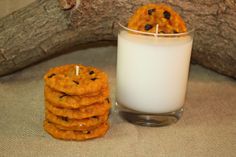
(151, 120)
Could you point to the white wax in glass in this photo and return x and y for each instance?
(152, 72)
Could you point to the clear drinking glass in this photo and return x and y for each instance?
(152, 75)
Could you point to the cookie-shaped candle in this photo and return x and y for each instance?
(65, 79)
(148, 17)
(77, 102)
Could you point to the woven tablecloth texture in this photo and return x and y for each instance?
(207, 128)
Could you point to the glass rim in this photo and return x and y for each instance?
(156, 34)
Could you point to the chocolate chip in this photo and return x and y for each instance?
(50, 76)
(175, 32)
(150, 11)
(148, 27)
(64, 118)
(63, 95)
(93, 79)
(108, 100)
(86, 132)
(166, 15)
(91, 72)
(95, 117)
(76, 82)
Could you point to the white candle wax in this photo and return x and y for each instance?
(152, 72)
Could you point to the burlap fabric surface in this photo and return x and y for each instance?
(208, 127)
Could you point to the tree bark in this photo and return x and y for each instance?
(44, 29)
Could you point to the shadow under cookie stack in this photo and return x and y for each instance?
(76, 102)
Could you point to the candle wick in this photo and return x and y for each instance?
(157, 27)
(77, 70)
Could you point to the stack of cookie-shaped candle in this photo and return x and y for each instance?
(76, 102)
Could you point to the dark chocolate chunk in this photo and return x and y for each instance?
(50, 76)
(86, 132)
(175, 32)
(64, 118)
(93, 79)
(63, 95)
(150, 11)
(108, 100)
(148, 27)
(91, 72)
(76, 82)
(166, 15)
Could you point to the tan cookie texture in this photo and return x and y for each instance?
(66, 123)
(61, 99)
(148, 16)
(64, 79)
(75, 135)
(80, 113)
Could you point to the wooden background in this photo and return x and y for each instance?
(42, 29)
